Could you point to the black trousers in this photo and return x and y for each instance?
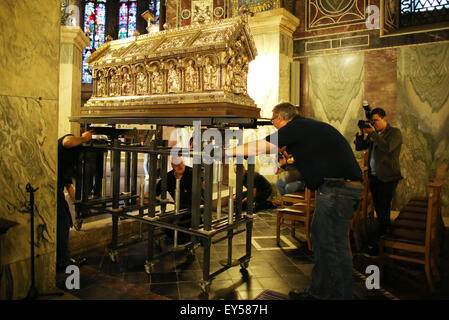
(94, 167)
(63, 223)
(382, 195)
(260, 200)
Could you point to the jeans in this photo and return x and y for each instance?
(336, 203)
(290, 187)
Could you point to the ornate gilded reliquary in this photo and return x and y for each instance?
(198, 70)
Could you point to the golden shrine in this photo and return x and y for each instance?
(197, 70)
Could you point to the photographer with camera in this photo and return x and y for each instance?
(384, 146)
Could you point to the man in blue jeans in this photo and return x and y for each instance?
(327, 164)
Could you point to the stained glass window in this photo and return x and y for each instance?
(127, 18)
(154, 9)
(94, 27)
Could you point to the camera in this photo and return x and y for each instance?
(362, 124)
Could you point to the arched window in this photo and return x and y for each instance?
(94, 26)
(127, 18)
(154, 9)
(95, 23)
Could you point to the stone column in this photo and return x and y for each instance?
(73, 41)
(269, 73)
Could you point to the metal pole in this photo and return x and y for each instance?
(207, 216)
(230, 206)
(219, 168)
(103, 181)
(177, 207)
(142, 190)
(134, 162)
(111, 170)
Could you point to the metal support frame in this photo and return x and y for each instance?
(206, 230)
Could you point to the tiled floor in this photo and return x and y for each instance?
(271, 267)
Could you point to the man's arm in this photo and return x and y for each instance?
(361, 141)
(72, 141)
(389, 143)
(252, 148)
(71, 190)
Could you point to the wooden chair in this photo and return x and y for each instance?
(303, 205)
(362, 224)
(414, 213)
(417, 245)
(359, 223)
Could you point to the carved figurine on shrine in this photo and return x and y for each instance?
(101, 85)
(141, 81)
(176, 71)
(191, 76)
(209, 74)
(157, 79)
(114, 88)
(126, 82)
(172, 78)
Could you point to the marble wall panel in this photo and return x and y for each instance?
(29, 71)
(423, 115)
(29, 51)
(380, 81)
(28, 128)
(411, 83)
(335, 86)
(171, 17)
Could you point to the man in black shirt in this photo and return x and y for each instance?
(327, 163)
(68, 150)
(185, 174)
(261, 192)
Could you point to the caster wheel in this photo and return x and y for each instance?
(205, 286)
(78, 224)
(244, 265)
(113, 255)
(190, 254)
(149, 266)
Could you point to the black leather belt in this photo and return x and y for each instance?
(344, 181)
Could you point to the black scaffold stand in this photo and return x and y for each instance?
(208, 225)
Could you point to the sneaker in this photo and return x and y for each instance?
(372, 251)
(78, 261)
